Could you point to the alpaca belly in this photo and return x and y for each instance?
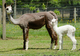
(64, 32)
(36, 25)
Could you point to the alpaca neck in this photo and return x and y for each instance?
(14, 21)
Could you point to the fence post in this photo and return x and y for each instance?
(62, 14)
(75, 15)
(4, 20)
(62, 44)
(14, 9)
(0, 15)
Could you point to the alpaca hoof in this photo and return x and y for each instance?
(60, 49)
(55, 47)
(72, 49)
(50, 48)
(26, 49)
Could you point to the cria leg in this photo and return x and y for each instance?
(60, 42)
(72, 37)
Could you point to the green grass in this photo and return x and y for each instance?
(37, 47)
(39, 42)
(14, 31)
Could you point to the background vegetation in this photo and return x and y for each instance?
(47, 3)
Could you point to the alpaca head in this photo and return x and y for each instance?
(54, 21)
(8, 8)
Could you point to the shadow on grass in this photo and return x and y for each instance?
(23, 49)
(18, 49)
(4, 51)
(10, 50)
(37, 49)
(31, 49)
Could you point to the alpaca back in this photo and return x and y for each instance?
(64, 29)
(71, 28)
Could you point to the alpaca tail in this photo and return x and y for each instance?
(73, 33)
(52, 13)
(74, 29)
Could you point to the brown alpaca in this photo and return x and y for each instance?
(34, 21)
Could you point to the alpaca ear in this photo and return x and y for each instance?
(11, 4)
(5, 5)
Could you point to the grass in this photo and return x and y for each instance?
(37, 47)
(39, 42)
(14, 31)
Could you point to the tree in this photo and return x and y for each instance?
(71, 4)
(0, 2)
(55, 3)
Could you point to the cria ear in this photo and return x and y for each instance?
(5, 5)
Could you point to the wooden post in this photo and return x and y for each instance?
(14, 9)
(75, 15)
(0, 15)
(62, 44)
(62, 14)
(4, 20)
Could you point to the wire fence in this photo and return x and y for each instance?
(66, 16)
(65, 13)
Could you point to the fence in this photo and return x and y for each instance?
(66, 15)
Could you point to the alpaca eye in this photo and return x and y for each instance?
(7, 9)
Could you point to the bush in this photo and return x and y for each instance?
(38, 10)
(43, 6)
(57, 11)
(32, 8)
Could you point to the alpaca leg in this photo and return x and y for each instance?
(27, 44)
(74, 44)
(55, 46)
(60, 42)
(72, 37)
(51, 33)
(51, 43)
(25, 37)
(55, 42)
